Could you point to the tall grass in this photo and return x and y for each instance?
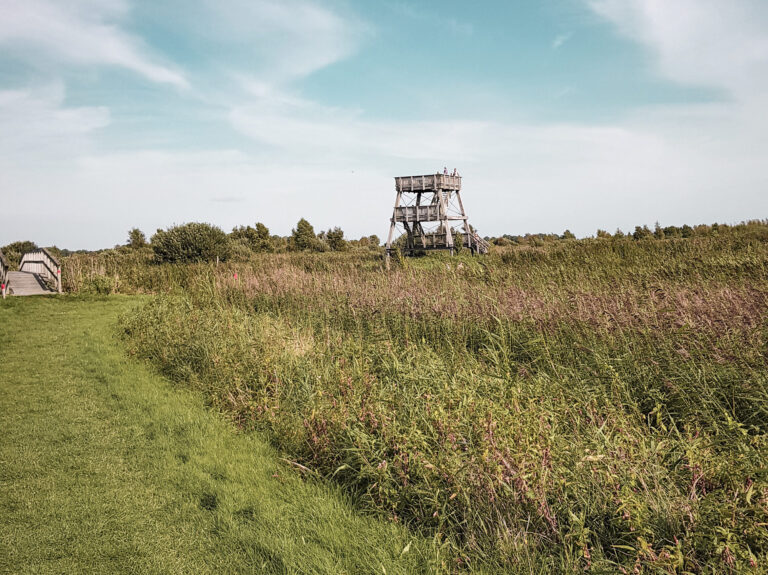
(598, 405)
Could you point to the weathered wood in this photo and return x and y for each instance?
(440, 209)
(27, 283)
(418, 213)
(428, 182)
(41, 262)
(4, 269)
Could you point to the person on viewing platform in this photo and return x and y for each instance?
(445, 170)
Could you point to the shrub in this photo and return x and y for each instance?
(193, 242)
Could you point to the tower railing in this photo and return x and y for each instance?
(428, 182)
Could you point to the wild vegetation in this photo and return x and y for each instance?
(560, 405)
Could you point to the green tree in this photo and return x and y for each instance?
(257, 239)
(642, 233)
(603, 234)
(303, 236)
(136, 238)
(374, 241)
(15, 250)
(568, 235)
(263, 239)
(335, 239)
(193, 242)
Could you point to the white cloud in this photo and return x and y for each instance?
(700, 42)
(36, 125)
(80, 32)
(284, 39)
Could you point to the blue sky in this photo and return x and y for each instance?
(563, 114)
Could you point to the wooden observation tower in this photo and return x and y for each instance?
(426, 208)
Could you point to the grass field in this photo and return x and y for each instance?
(105, 467)
(597, 405)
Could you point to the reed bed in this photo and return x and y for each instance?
(595, 405)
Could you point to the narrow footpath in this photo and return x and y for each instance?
(106, 467)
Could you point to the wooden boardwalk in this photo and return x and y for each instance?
(27, 283)
(39, 274)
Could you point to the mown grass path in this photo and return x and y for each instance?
(107, 468)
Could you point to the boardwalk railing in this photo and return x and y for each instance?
(41, 262)
(483, 246)
(3, 273)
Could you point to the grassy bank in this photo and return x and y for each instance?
(598, 405)
(106, 468)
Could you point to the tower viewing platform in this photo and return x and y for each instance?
(428, 183)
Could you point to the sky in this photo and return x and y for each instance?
(559, 114)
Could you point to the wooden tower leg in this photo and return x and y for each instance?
(470, 239)
(445, 222)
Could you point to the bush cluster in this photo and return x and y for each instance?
(189, 243)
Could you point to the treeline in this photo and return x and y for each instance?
(197, 242)
(203, 242)
(640, 233)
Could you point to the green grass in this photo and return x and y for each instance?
(105, 467)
